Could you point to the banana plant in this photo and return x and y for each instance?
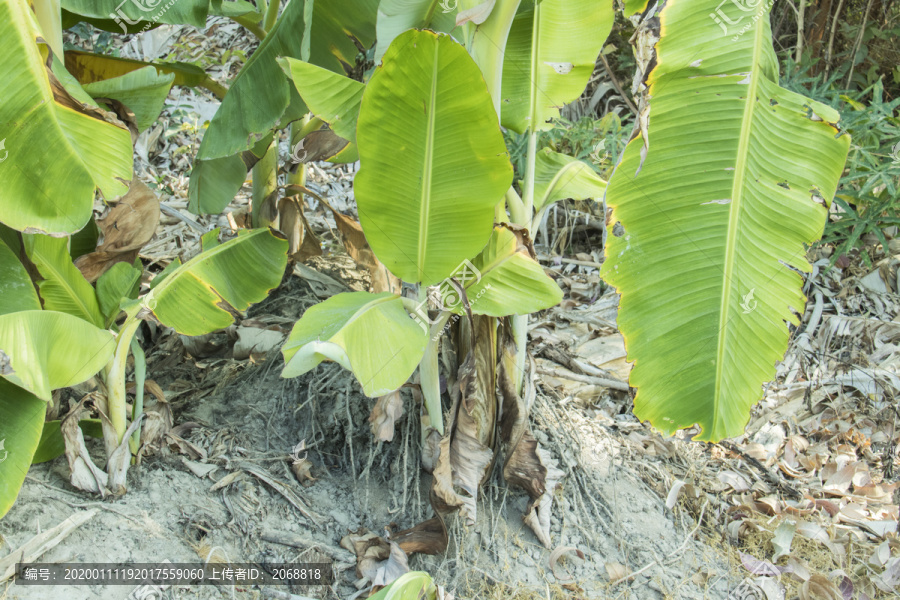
(427, 121)
(61, 330)
(535, 57)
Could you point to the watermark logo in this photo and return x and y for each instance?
(730, 14)
(599, 153)
(746, 590)
(747, 302)
(447, 7)
(895, 152)
(3, 453)
(4, 153)
(146, 6)
(298, 154)
(448, 295)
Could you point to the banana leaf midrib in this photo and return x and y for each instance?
(201, 258)
(535, 54)
(740, 173)
(425, 212)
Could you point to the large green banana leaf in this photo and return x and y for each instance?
(16, 291)
(57, 150)
(214, 183)
(331, 97)
(261, 94)
(220, 8)
(397, 16)
(90, 68)
(505, 279)
(21, 424)
(737, 179)
(550, 55)
(206, 292)
(143, 91)
(433, 161)
(63, 287)
(369, 334)
(41, 350)
(132, 12)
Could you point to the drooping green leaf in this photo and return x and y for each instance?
(331, 97)
(204, 293)
(369, 334)
(63, 287)
(21, 422)
(90, 68)
(56, 151)
(549, 59)
(16, 291)
(557, 177)
(214, 183)
(398, 16)
(505, 280)
(121, 280)
(261, 94)
(70, 19)
(41, 350)
(143, 91)
(427, 125)
(737, 179)
(133, 12)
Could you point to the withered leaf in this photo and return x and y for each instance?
(302, 240)
(384, 414)
(129, 225)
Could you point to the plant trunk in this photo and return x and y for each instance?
(115, 382)
(265, 184)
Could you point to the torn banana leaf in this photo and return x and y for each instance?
(397, 16)
(205, 293)
(56, 150)
(261, 96)
(332, 97)
(90, 68)
(143, 91)
(737, 181)
(549, 59)
(369, 334)
(191, 12)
